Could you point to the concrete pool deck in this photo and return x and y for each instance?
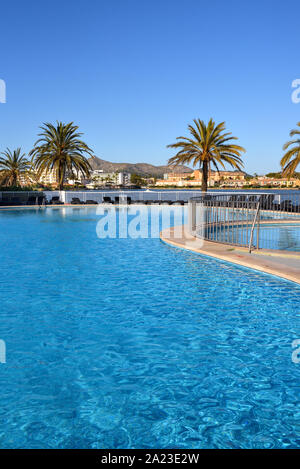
(283, 264)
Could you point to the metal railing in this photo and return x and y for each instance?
(135, 196)
(18, 198)
(98, 197)
(276, 201)
(252, 220)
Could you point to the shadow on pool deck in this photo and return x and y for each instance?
(284, 264)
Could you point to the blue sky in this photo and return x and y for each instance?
(133, 74)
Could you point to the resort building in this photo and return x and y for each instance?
(194, 178)
(100, 178)
(225, 177)
(48, 177)
(264, 181)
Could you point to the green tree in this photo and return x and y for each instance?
(60, 148)
(291, 158)
(137, 179)
(209, 145)
(14, 168)
(274, 175)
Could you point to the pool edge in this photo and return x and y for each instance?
(265, 263)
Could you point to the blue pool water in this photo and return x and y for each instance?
(130, 343)
(283, 236)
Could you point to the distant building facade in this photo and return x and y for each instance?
(263, 181)
(100, 178)
(194, 178)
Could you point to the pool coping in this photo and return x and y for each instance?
(271, 262)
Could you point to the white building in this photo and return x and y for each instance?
(48, 177)
(99, 177)
(124, 179)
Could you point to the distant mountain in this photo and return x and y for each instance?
(142, 169)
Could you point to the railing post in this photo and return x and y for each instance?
(257, 230)
(255, 219)
(192, 217)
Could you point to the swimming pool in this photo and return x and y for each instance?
(283, 236)
(129, 343)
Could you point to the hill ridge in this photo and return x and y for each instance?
(142, 169)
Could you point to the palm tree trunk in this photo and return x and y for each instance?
(61, 177)
(204, 176)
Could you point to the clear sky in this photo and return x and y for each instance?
(133, 73)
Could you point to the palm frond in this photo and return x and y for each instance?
(14, 167)
(209, 144)
(291, 158)
(61, 149)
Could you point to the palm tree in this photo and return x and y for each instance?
(14, 167)
(208, 146)
(291, 159)
(59, 148)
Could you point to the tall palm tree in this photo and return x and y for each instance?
(291, 159)
(59, 148)
(14, 167)
(208, 146)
